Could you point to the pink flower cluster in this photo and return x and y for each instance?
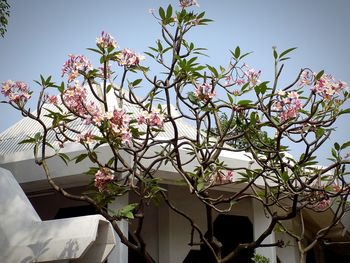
(153, 119)
(52, 100)
(129, 58)
(106, 41)
(288, 105)
(16, 91)
(102, 178)
(86, 137)
(119, 121)
(223, 177)
(306, 78)
(75, 98)
(204, 91)
(109, 71)
(229, 81)
(327, 87)
(74, 64)
(322, 205)
(187, 3)
(252, 76)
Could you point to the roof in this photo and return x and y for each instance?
(26, 127)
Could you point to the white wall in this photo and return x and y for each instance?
(173, 245)
(261, 222)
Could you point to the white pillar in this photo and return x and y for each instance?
(120, 252)
(261, 222)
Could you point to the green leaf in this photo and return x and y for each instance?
(319, 75)
(286, 52)
(160, 46)
(261, 88)
(345, 145)
(346, 111)
(126, 211)
(319, 132)
(244, 102)
(200, 185)
(275, 55)
(169, 11)
(285, 176)
(205, 21)
(30, 140)
(149, 54)
(237, 52)
(337, 146)
(334, 154)
(192, 97)
(253, 118)
(161, 13)
(37, 136)
(213, 70)
(246, 54)
(42, 79)
(64, 157)
(230, 98)
(95, 50)
(109, 87)
(283, 59)
(80, 157)
(136, 82)
(61, 87)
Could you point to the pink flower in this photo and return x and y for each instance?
(187, 3)
(126, 136)
(106, 41)
(74, 65)
(153, 119)
(240, 82)
(305, 78)
(75, 98)
(293, 95)
(128, 58)
(143, 118)
(156, 119)
(252, 76)
(17, 91)
(204, 91)
(119, 122)
(287, 105)
(102, 178)
(322, 205)
(86, 138)
(120, 118)
(53, 100)
(327, 87)
(225, 177)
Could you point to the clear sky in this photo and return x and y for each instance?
(42, 33)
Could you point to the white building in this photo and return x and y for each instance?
(167, 234)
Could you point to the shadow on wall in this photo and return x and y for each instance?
(70, 250)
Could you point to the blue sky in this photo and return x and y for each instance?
(42, 33)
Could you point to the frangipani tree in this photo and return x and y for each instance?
(231, 110)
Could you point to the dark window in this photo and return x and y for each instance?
(230, 230)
